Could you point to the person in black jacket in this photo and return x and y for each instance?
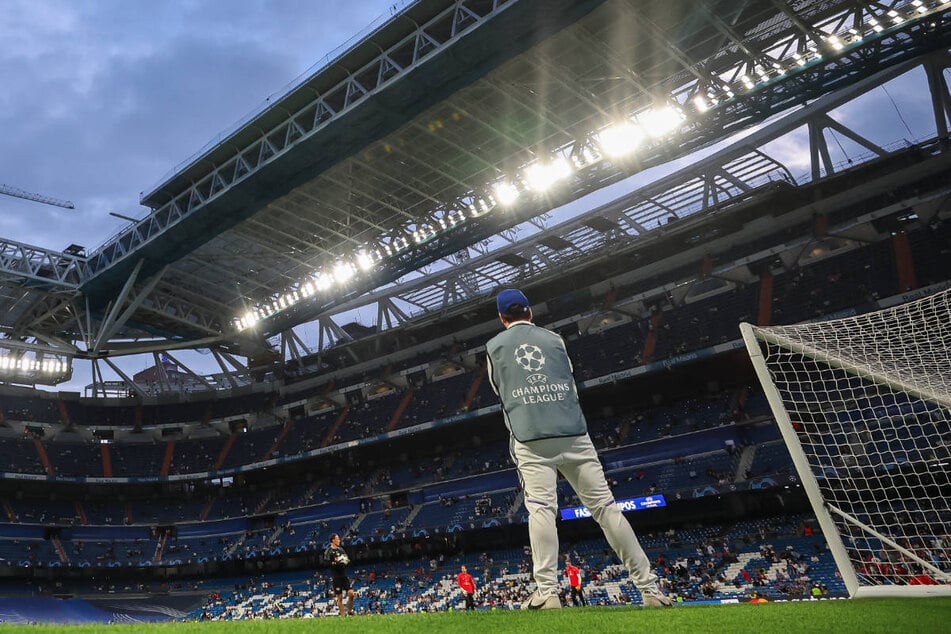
(337, 557)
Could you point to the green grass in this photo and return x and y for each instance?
(921, 616)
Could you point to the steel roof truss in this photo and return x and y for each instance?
(188, 370)
(319, 113)
(23, 261)
(125, 377)
(112, 312)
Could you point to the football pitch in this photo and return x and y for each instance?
(921, 616)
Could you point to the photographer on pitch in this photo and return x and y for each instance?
(529, 368)
(337, 557)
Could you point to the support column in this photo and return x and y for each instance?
(106, 460)
(904, 262)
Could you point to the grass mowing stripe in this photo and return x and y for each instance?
(868, 616)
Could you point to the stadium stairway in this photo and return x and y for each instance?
(474, 388)
(335, 427)
(744, 463)
(207, 510)
(167, 460)
(398, 414)
(264, 502)
(277, 532)
(106, 460)
(408, 521)
(280, 438)
(11, 516)
(64, 414)
(224, 450)
(159, 548)
(41, 451)
(59, 549)
(233, 548)
(81, 513)
(650, 341)
(742, 562)
(904, 263)
(516, 506)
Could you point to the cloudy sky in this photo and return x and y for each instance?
(102, 98)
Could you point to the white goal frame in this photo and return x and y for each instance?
(904, 381)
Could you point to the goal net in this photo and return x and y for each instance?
(864, 406)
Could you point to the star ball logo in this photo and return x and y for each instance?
(529, 357)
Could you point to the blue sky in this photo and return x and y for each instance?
(102, 98)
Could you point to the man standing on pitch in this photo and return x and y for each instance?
(574, 582)
(467, 585)
(338, 560)
(529, 368)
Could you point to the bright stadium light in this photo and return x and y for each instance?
(323, 281)
(660, 122)
(700, 103)
(542, 176)
(620, 139)
(505, 192)
(31, 365)
(364, 261)
(343, 272)
(250, 318)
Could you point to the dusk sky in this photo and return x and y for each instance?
(103, 98)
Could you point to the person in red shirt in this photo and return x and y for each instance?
(574, 581)
(467, 585)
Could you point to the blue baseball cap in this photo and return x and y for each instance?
(508, 297)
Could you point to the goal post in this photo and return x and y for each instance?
(864, 407)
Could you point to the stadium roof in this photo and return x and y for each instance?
(397, 153)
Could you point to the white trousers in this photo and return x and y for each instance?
(538, 463)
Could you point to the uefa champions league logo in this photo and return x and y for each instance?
(529, 357)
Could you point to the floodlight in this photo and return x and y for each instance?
(343, 272)
(620, 139)
(505, 192)
(250, 318)
(542, 176)
(586, 156)
(660, 122)
(700, 103)
(834, 42)
(364, 260)
(323, 281)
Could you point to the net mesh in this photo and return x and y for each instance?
(869, 398)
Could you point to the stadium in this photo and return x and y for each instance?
(652, 175)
